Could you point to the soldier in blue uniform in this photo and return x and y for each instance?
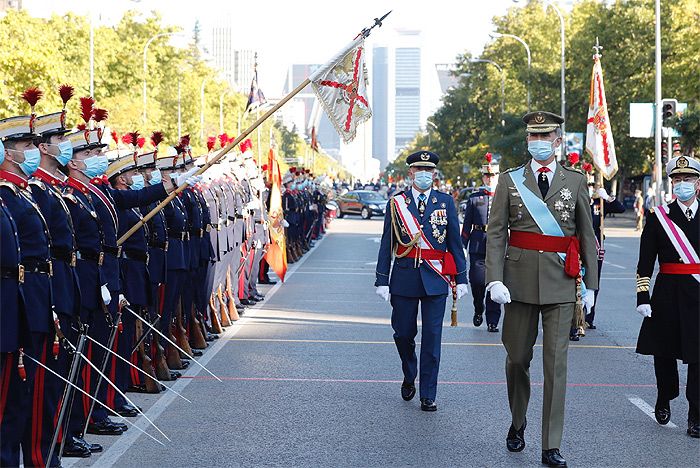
(21, 160)
(476, 220)
(421, 230)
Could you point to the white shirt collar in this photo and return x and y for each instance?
(536, 166)
(693, 207)
(415, 194)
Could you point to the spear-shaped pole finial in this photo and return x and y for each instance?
(377, 23)
(597, 48)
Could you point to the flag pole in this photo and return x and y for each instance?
(214, 160)
(364, 33)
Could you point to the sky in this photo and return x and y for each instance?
(311, 31)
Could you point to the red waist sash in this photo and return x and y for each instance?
(680, 268)
(448, 262)
(568, 245)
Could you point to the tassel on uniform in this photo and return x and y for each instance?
(55, 348)
(579, 314)
(453, 315)
(20, 366)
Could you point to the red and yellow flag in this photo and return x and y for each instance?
(599, 138)
(276, 254)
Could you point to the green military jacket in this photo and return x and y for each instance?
(532, 276)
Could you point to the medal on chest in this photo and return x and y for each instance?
(438, 222)
(563, 205)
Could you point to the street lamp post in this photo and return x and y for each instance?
(430, 123)
(145, 67)
(503, 85)
(201, 110)
(497, 35)
(221, 111)
(549, 3)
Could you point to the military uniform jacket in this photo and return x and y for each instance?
(532, 276)
(194, 225)
(64, 282)
(672, 330)
(157, 244)
(206, 251)
(176, 220)
(34, 242)
(133, 265)
(13, 327)
(409, 277)
(476, 220)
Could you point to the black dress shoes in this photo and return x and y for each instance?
(268, 281)
(74, 449)
(552, 457)
(478, 319)
(515, 440)
(105, 427)
(196, 352)
(590, 326)
(693, 429)
(408, 391)
(259, 297)
(426, 404)
(248, 302)
(662, 412)
(93, 448)
(493, 328)
(127, 410)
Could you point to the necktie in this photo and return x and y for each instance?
(421, 203)
(689, 214)
(543, 181)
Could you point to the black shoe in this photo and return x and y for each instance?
(174, 375)
(552, 457)
(127, 411)
(119, 425)
(74, 449)
(478, 319)
(104, 428)
(253, 299)
(693, 429)
(196, 352)
(136, 389)
(93, 448)
(515, 440)
(493, 328)
(248, 302)
(590, 326)
(574, 338)
(259, 297)
(408, 391)
(662, 412)
(268, 281)
(426, 404)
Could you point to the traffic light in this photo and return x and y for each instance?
(664, 153)
(668, 109)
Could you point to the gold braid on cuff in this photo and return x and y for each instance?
(643, 283)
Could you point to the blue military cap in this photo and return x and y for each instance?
(423, 159)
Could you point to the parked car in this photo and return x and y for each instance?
(363, 202)
(462, 201)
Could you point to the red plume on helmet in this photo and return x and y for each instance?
(86, 108)
(32, 96)
(488, 157)
(156, 139)
(185, 141)
(574, 158)
(223, 139)
(588, 167)
(127, 138)
(133, 138)
(140, 141)
(115, 137)
(66, 92)
(100, 115)
(211, 141)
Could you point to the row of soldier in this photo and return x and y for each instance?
(86, 318)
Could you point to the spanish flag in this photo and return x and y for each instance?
(276, 254)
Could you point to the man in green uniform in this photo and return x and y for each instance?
(540, 259)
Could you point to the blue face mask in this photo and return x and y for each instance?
(540, 150)
(156, 177)
(2, 152)
(423, 180)
(95, 166)
(684, 190)
(137, 182)
(32, 158)
(65, 152)
(292, 186)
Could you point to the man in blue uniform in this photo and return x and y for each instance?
(421, 230)
(21, 160)
(476, 220)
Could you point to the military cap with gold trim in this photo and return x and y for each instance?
(423, 159)
(683, 165)
(55, 123)
(542, 122)
(16, 128)
(122, 160)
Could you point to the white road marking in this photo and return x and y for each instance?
(126, 440)
(375, 239)
(610, 244)
(646, 409)
(605, 262)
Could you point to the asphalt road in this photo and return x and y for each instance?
(311, 377)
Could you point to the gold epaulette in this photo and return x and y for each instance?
(68, 195)
(643, 283)
(10, 185)
(37, 182)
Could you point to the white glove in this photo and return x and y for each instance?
(602, 193)
(194, 180)
(122, 301)
(182, 178)
(644, 310)
(106, 296)
(588, 299)
(499, 292)
(383, 292)
(462, 290)
(285, 223)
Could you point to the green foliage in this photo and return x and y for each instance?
(49, 52)
(469, 123)
(689, 127)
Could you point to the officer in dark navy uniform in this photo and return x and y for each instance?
(21, 160)
(421, 230)
(476, 220)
